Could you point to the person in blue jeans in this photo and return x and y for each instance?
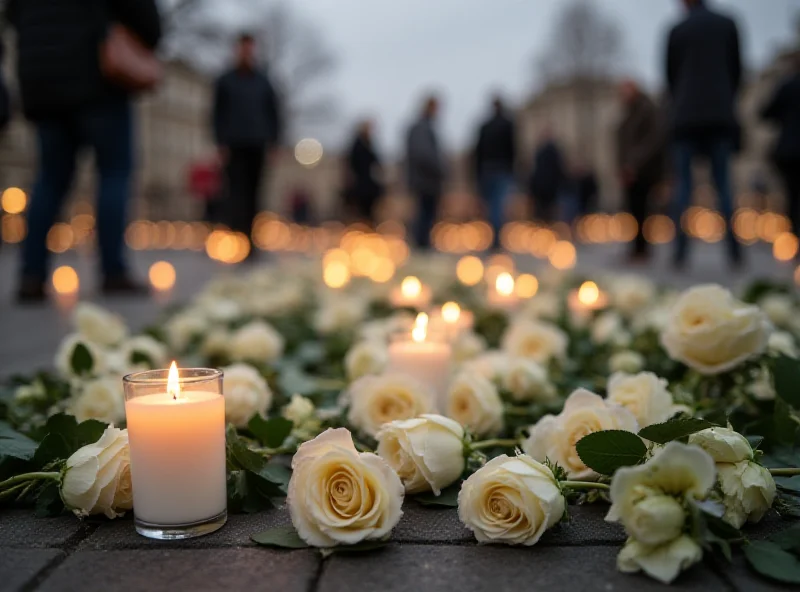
(704, 71)
(73, 106)
(493, 160)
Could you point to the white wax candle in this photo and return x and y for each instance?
(177, 456)
(426, 361)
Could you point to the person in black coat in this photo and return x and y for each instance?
(494, 160)
(73, 105)
(363, 174)
(247, 124)
(548, 178)
(783, 109)
(704, 71)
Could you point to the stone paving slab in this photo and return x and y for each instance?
(21, 528)
(198, 570)
(489, 568)
(19, 567)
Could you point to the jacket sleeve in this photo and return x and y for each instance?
(672, 62)
(217, 108)
(423, 154)
(272, 105)
(141, 16)
(735, 57)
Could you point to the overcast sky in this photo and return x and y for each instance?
(391, 51)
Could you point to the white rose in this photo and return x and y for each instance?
(656, 318)
(644, 394)
(256, 342)
(221, 310)
(678, 470)
(426, 452)
(626, 361)
(99, 325)
(299, 410)
(139, 347)
(184, 328)
(748, 491)
(712, 332)
(545, 305)
(366, 357)
(724, 445)
(100, 399)
(66, 351)
(97, 479)
(630, 294)
(339, 496)
(782, 343)
(376, 400)
(528, 381)
(246, 394)
(656, 519)
(663, 562)
(473, 401)
(761, 387)
(554, 436)
(492, 365)
(779, 308)
(467, 346)
(607, 328)
(510, 500)
(536, 340)
(339, 314)
(217, 342)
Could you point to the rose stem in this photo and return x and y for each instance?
(584, 485)
(496, 443)
(789, 472)
(28, 477)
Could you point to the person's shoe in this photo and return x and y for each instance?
(31, 291)
(123, 285)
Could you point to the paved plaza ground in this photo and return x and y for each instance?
(430, 549)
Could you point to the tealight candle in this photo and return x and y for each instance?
(453, 319)
(411, 294)
(176, 430)
(424, 357)
(502, 297)
(587, 298)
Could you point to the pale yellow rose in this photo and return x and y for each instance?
(66, 351)
(536, 340)
(528, 381)
(626, 361)
(376, 400)
(256, 342)
(98, 325)
(366, 357)
(467, 346)
(782, 343)
(511, 500)
(779, 308)
(748, 491)
(340, 496)
(608, 329)
(644, 394)
(545, 305)
(724, 445)
(339, 314)
(299, 410)
(712, 332)
(101, 399)
(246, 394)
(656, 519)
(664, 562)
(554, 436)
(631, 294)
(473, 401)
(185, 327)
(492, 365)
(427, 452)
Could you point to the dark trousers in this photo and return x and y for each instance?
(719, 151)
(637, 197)
(426, 217)
(790, 173)
(244, 170)
(108, 131)
(495, 188)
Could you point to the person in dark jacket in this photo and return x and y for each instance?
(247, 124)
(73, 106)
(783, 109)
(548, 177)
(363, 174)
(704, 72)
(494, 159)
(587, 188)
(425, 169)
(640, 156)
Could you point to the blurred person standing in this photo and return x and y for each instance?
(640, 156)
(548, 177)
(586, 188)
(247, 125)
(363, 184)
(494, 159)
(75, 101)
(783, 109)
(704, 71)
(425, 169)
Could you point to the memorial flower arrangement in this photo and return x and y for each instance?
(679, 410)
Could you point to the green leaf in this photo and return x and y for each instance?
(785, 429)
(139, 357)
(49, 502)
(270, 432)
(15, 445)
(675, 429)
(293, 381)
(789, 539)
(787, 380)
(282, 537)
(81, 361)
(608, 450)
(785, 483)
(88, 432)
(448, 497)
(768, 559)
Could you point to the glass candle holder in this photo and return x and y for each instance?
(177, 446)
(425, 355)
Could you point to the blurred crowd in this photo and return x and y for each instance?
(77, 88)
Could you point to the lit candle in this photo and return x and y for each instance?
(453, 319)
(502, 297)
(423, 357)
(587, 298)
(411, 294)
(177, 447)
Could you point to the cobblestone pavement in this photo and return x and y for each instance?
(430, 549)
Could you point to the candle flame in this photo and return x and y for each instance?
(173, 382)
(420, 330)
(451, 312)
(588, 293)
(504, 284)
(411, 287)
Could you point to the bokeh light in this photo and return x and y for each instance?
(65, 280)
(60, 237)
(527, 286)
(785, 246)
(504, 284)
(451, 312)
(162, 275)
(308, 152)
(14, 200)
(659, 229)
(411, 287)
(469, 270)
(336, 274)
(588, 293)
(14, 228)
(563, 255)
